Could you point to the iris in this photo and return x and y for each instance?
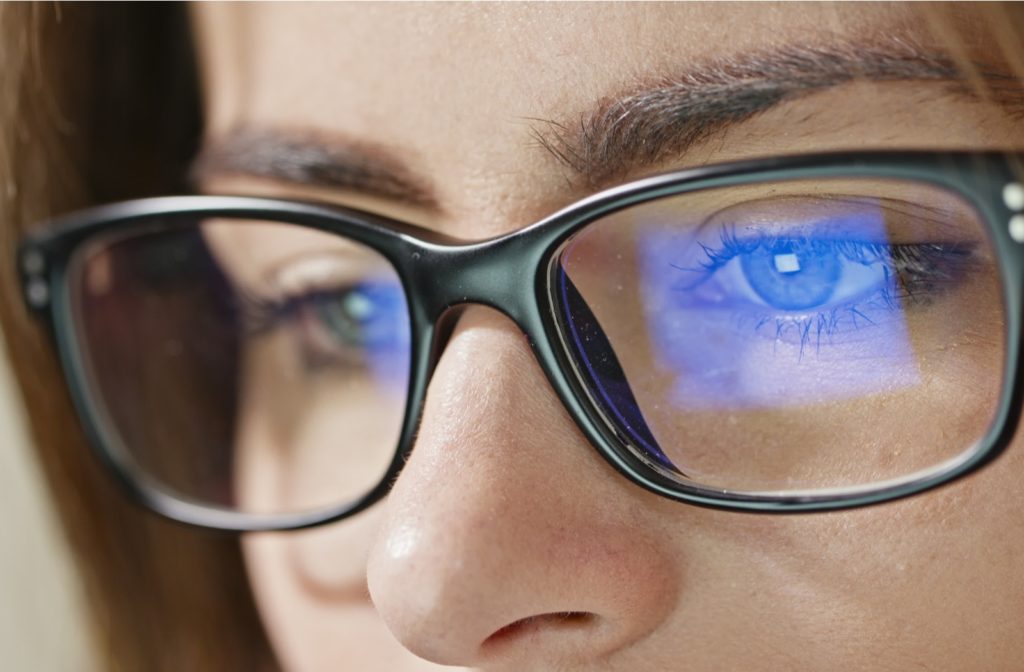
(368, 315)
(792, 275)
(368, 323)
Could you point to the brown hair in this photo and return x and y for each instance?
(98, 102)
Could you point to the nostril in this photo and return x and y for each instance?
(557, 621)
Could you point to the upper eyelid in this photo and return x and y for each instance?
(717, 259)
(943, 218)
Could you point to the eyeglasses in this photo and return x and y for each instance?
(794, 334)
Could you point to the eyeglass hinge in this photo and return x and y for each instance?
(1013, 197)
(37, 290)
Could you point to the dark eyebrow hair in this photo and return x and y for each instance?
(654, 122)
(312, 159)
(640, 127)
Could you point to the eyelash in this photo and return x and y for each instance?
(916, 258)
(261, 315)
(912, 272)
(912, 264)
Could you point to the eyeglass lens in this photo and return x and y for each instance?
(255, 366)
(792, 336)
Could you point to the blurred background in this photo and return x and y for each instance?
(41, 600)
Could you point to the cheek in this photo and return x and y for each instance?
(298, 451)
(310, 587)
(310, 439)
(933, 579)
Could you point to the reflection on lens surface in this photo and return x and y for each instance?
(777, 318)
(790, 336)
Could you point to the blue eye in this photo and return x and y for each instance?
(788, 301)
(348, 328)
(362, 326)
(792, 275)
(367, 315)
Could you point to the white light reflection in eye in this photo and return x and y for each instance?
(787, 263)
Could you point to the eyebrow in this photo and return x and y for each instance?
(646, 126)
(623, 133)
(308, 158)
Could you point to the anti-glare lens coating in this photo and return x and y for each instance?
(252, 366)
(792, 336)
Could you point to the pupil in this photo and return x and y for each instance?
(791, 276)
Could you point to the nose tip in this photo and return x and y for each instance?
(515, 597)
(507, 540)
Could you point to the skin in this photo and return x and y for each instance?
(507, 542)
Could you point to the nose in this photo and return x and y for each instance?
(507, 541)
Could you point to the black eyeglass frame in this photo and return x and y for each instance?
(516, 275)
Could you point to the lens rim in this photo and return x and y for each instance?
(117, 219)
(515, 274)
(977, 178)
(98, 396)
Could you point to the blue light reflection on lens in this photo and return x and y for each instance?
(372, 316)
(604, 371)
(792, 318)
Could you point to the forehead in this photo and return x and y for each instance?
(456, 91)
(522, 58)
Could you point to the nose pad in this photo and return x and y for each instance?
(444, 329)
(506, 539)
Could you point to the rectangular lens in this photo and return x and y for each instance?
(791, 336)
(256, 366)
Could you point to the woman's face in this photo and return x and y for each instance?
(485, 554)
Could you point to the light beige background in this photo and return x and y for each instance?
(41, 602)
